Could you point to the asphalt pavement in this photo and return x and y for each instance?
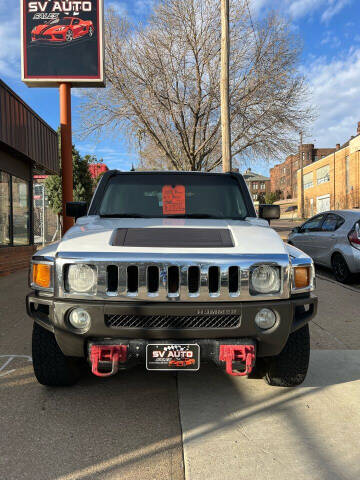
(141, 425)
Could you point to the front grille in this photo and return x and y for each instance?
(172, 279)
(172, 322)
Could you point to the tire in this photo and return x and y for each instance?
(259, 369)
(51, 366)
(289, 368)
(340, 269)
(69, 36)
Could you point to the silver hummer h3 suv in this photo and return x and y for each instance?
(171, 270)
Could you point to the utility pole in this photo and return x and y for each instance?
(66, 152)
(224, 87)
(302, 176)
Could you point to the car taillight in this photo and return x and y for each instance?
(354, 236)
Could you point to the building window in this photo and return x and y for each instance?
(262, 186)
(5, 211)
(255, 186)
(323, 174)
(14, 210)
(347, 174)
(255, 196)
(284, 170)
(308, 180)
(20, 201)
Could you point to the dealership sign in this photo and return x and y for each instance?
(62, 41)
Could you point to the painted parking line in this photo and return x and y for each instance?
(7, 361)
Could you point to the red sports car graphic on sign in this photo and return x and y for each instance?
(182, 363)
(64, 29)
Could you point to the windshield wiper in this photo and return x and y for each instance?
(123, 215)
(194, 215)
(204, 215)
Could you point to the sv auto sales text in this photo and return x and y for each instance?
(64, 6)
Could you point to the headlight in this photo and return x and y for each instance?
(265, 279)
(80, 279)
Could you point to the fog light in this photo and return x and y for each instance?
(80, 319)
(265, 319)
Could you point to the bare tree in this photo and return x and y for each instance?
(163, 85)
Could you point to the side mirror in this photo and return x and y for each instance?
(76, 209)
(269, 212)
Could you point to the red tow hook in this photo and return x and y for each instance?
(107, 353)
(237, 353)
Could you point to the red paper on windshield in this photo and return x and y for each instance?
(173, 199)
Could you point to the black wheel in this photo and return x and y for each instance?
(51, 366)
(91, 31)
(69, 36)
(340, 268)
(289, 368)
(259, 369)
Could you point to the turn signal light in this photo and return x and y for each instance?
(301, 277)
(41, 275)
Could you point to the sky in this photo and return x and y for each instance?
(330, 61)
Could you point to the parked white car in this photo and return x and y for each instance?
(170, 270)
(332, 239)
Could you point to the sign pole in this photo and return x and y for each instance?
(224, 87)
(66, 152)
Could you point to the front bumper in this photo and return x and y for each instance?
(52, 314)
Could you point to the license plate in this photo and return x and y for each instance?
(165, 356)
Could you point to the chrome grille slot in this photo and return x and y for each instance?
(132, 279)
(152, 279)
(193, 279)
(174, 322)
(173, 280)
(112, 277)
(234, 284)
(214, 280)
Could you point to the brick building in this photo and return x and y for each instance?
(334, 181)
(97, 169)
(283, 176)
(28, 146)
(257, 184)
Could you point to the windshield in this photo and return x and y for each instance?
(60, 21)
(170, 195)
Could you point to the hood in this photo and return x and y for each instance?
(95, 234)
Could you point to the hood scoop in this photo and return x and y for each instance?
(172, 237)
